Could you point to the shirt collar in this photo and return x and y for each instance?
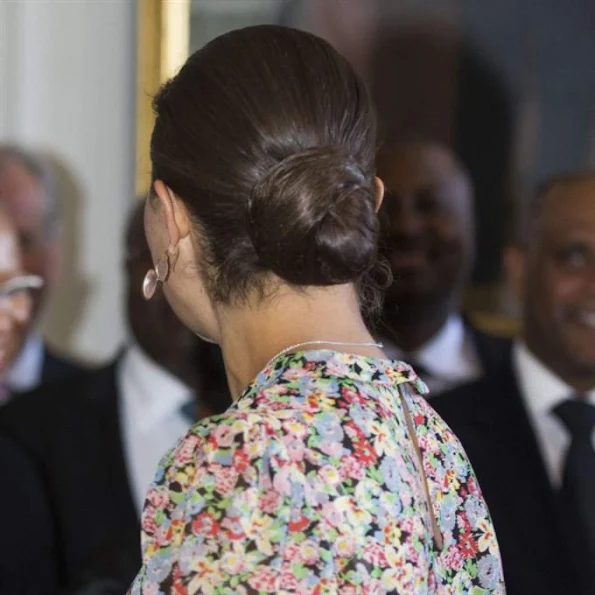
(446, 355)
(541, 388)
(442, 353)
(25, 372)
(152, 393)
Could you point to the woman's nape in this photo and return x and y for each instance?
(265, 195)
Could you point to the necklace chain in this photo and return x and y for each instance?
(333, 343)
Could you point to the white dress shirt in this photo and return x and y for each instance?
(151, 419)
(25, 372)
(542, 390)
(449, 357)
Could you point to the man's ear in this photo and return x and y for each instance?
(176, 215)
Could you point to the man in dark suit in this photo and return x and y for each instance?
(29, 196)
(28, 569)
(428, 239)
(97, 441)
(528, 427)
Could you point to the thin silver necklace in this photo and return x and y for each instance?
(333, 343)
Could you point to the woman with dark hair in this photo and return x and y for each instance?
(329, 473)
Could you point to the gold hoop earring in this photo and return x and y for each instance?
(154, 276)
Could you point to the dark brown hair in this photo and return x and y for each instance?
(269, 138)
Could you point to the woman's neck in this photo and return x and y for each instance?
(252, 335)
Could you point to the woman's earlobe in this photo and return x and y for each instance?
(379, 184)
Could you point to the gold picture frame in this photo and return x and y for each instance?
(163, 34)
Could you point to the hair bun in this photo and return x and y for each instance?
(313, 218)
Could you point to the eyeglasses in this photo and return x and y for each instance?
(20, 284)
(15, 295)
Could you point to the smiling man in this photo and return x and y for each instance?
(529, 428)
(429, 241)
(29, 195)
(16, 302)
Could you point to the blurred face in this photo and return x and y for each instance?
(555, 280)
(169, 233)
(427, 222)
(15, 305)
(23, 198)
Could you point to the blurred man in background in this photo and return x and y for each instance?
(428, 239)
(20, 492)
(529, 427)
(29, 196)
(97, 441)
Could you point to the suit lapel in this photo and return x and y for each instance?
(105, 394)
(120, 550)
(518, 491)
(492, 352)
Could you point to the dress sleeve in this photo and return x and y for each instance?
(215, 517)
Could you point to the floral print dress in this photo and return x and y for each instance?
(310, 483)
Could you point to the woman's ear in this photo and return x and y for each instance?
(379, 184)
(176, 215)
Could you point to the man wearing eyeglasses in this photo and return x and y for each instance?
(28, 196)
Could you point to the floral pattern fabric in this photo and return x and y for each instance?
(310, 483)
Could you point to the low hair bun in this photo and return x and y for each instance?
(312, 218)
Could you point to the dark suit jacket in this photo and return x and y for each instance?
(70, 430)
(490, 420)
(493, 352)
(26, 562)
(55, 366)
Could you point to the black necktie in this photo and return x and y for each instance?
(578, 484)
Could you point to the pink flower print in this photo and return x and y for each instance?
(225, 479)
(263, 579)
(374, 587)
(281, 481)
(295, 448)
(269, 502)
(453, 560)
(309, 553)
(345, 545)
(295, 428)
(186, 452)
(205, 524)
(234, 528)
(332, 449)
(329, 475)
(351, 468)
(163, 536)
(240, 460)
(148, 523)
(332, 515)
(158, 498)
(288, 581)
(223, 436)
(473, 487)
(292, 551)
(374, 554)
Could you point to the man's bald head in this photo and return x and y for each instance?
(428, 220)
(545, 196)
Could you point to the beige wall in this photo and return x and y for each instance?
(67, 87)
